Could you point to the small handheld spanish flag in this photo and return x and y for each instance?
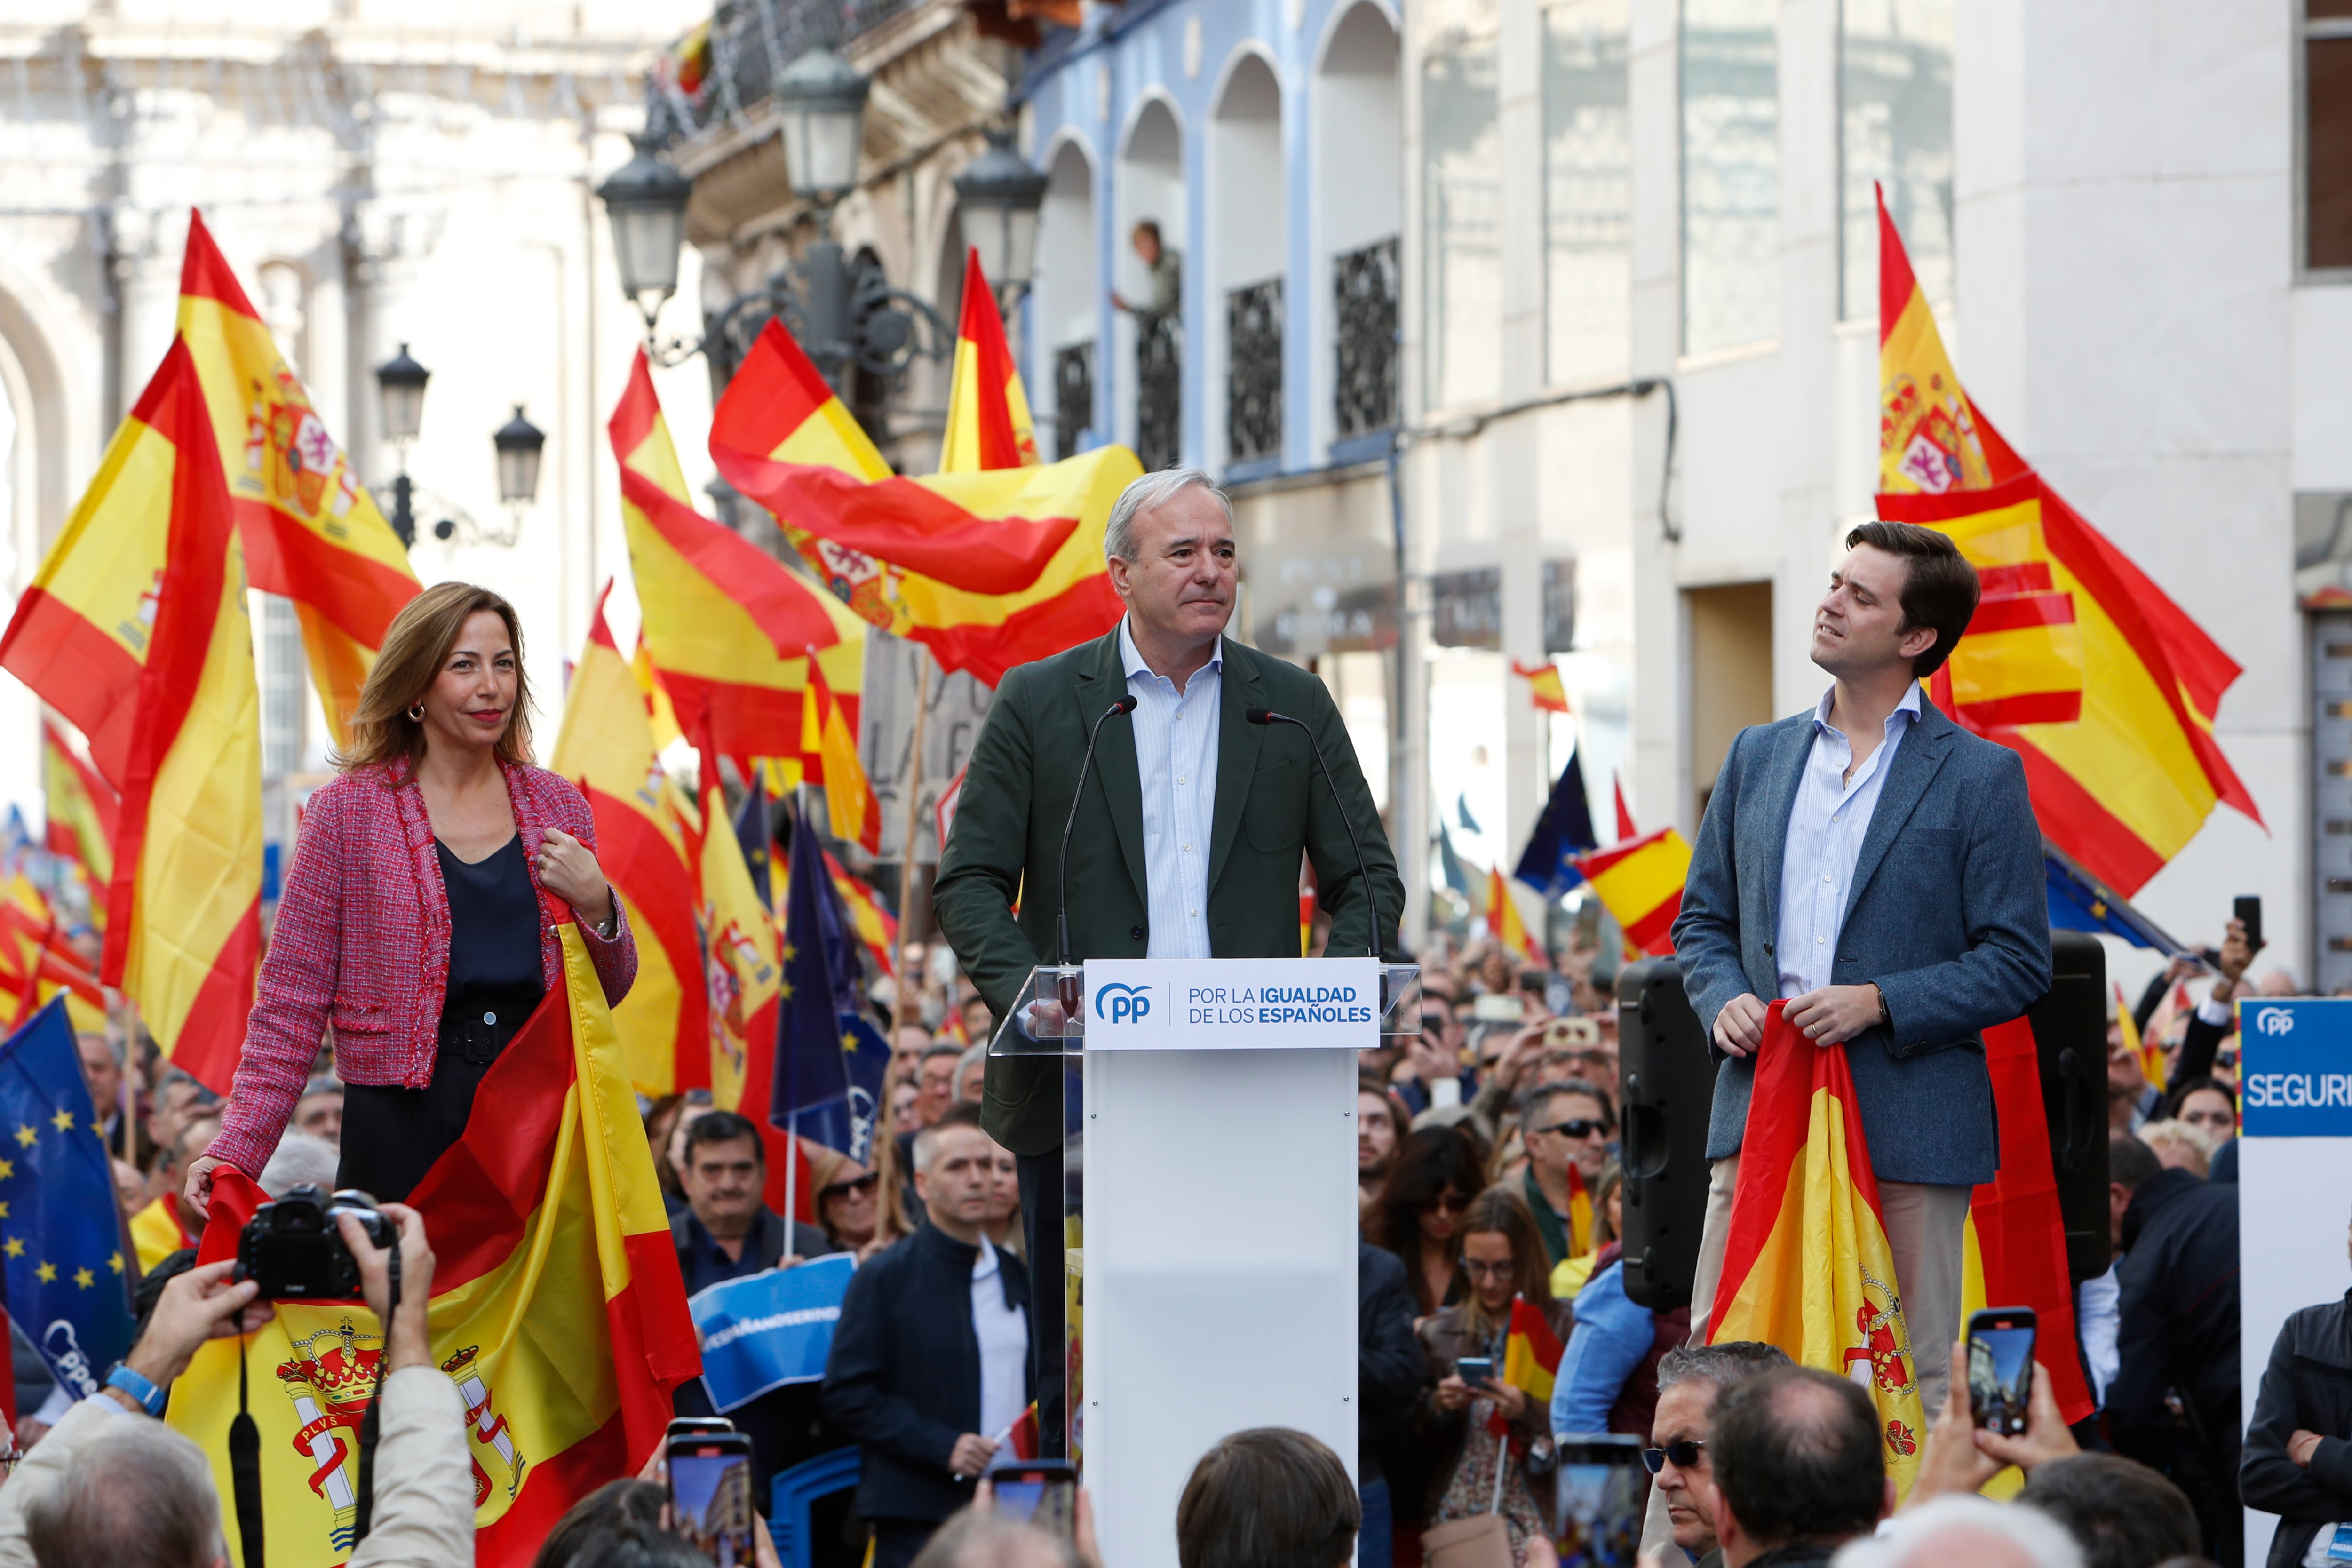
(1544, 688)
(2149, 1052)
(1531, 1354)
(1641, 883)
(1502, 920)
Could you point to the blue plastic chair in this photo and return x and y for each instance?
(794, 1489)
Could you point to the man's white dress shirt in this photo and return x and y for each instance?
(1826, 825)
(1003, 1334)
(1176, 756)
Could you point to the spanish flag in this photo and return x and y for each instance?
(2150, 1053)
(727, 627)
(557, 1308)
(1640, 882)
(606, 747)
(2076, 660)
(135, 629)
(156, 1232)
(740, 936)
(1807, 1265)
(1503, 922)
(987, 569)
(875, 926)
(82, 810)
(1531, 1354)
(1544, 688)
(988, 411)
(311, 529)
(856, 814)
(36, 961)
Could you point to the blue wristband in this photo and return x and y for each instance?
(138, 1387)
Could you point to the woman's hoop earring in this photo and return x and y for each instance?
(417, 713)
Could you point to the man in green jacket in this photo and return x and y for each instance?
(1189, 833)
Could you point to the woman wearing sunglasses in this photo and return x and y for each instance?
(848, 1208)
(1475, 1475)
(1438, 1171)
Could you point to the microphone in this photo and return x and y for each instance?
(1062, 918)
(1266, 716)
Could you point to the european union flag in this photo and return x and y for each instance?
(2080, 901)
(60, 1226)
(830, 1062)
(1565, 828)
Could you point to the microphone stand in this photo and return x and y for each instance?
(1066, 987)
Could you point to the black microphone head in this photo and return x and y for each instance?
(1124, 704)
(1260, 716)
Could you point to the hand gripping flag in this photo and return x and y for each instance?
(1544, 688)
(1640, 882)
(135, 629)
(987, 569)
(69, 1283)
(557, 1308)
(2075, 660)
(1562, 832)
(606, 747)
(988, 410)
(1503, 922)
(727, 628)
(1807, 1265)
(311, 529)
(855, 816)
(83, 811)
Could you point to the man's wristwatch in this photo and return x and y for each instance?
(150, 1397)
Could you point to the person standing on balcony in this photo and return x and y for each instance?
(1166, 265)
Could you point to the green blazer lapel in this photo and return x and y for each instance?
(1237, 747)
(1916, 762)
(1122, 783)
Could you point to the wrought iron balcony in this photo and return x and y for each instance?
(1254, 372)
(1073, 396)
(1364, 287)
(1159, 391)
(720, 77)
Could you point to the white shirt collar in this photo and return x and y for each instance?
(1906, 711)
(1133, 659)
(986, 1264)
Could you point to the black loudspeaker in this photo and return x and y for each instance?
(2070, 1039)
(1669, 1085)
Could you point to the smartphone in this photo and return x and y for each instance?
(2250, 912)
(1043, 1492)
(710, 1494)
(1599, 1498)
(2000, 1368)
(689, 1423)
(1498, 1008)
(1477, 1371)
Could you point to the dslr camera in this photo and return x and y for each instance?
(293, 1249)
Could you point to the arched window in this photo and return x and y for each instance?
(1152, 206)
(1358, 217)
(1249, 249)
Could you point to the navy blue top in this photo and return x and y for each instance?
(494, 960)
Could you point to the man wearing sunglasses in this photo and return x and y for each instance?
(1567, 1127)
(1689, 1382)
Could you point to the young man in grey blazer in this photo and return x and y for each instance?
(1881, 868)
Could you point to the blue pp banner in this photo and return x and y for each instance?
(2295, 1068)
(772, 1329)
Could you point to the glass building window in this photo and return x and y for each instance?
(1895, 132)
(1588, 191)
(1731, 174)
(2327, 134)
(1463, 221)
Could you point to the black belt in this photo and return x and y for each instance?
(476, 1032)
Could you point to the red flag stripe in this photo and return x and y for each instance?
(2014, 612)
(1895, 282)
(992, 365)
(781, 605)
(2028, 577)
(661, 887)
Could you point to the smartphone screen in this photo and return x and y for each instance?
(1477, 1371)
(2000, 1369)
(1047, 1498)
(1598, 1502)
(711, 1495)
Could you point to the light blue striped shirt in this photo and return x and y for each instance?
(1176, 755)
(1826, 827)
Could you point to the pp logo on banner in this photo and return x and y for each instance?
(2275, 1021)
(1118, 1004)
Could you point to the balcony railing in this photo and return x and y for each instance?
(1073, 396)
(1364, 288)
(752, 41)
(1159, 391)
(1254, 372)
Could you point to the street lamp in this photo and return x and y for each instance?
(998, 198)
(400, 392)
(823, 101)
(518, 442)
(645, 200)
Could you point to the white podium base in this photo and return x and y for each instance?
(1220, 1269)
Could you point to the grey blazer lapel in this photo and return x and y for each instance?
(1122, 782)
(1237, 747)
(1771, 830)
(1917, 763)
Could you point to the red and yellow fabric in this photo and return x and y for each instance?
(557, 1308)
(36, 961)
(606, 747)
(1544, 687)
(988, 410)
(745, 974)
(2150, 1053)
(1806, 1265)
(82, 810)
(1503, 924)
(726, 627)
(311, 529)
(1625, 828)
(849, 800)
(875, 926)
(1531, 1354)
(1640, 882)
(156, 1232)
(987, 569)
(135, 629)
(2076, 660)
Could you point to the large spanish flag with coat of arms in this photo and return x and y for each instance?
(557, 1308)
(1807, 1265)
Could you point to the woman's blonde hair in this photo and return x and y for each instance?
(420, 636)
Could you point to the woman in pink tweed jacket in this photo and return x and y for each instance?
(419, 921)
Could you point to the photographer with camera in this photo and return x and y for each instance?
(111, 1485)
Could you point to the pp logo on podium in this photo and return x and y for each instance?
(1119, 1004)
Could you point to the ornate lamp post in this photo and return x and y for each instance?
(998, 198)
(400, 393)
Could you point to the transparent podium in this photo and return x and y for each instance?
(1210, 1182)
